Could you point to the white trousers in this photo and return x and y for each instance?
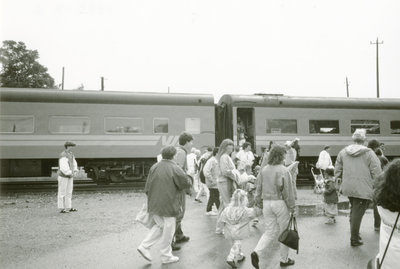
(276, 216)
(64, 197)
(162, 231)
(203, 188)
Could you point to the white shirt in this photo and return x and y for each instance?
(245, 158)
(191, 157)
(324, 160)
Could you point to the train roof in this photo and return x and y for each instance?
(275, 100)
(104, 97)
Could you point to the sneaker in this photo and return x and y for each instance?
(64, 211)
(232, 264)
(182, 239)
(175, 247)
(330, 221)
(211, 213)
(221, 232)
(170, 260)
(377, 229)
(288, 263)
(254, 260)
(145, 253)
(241, 258)
(198, 200)
(356, 243)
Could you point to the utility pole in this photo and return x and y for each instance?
(62, 80)
(347, 87)
(102, 83)
(377, 43)
(168, 89)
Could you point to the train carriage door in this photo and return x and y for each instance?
(223, 123)
(245, 124)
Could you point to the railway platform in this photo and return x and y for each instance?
(102, 234)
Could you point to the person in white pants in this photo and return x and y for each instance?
(165, 183)
(68, 168)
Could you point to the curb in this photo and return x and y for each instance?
(318, 209)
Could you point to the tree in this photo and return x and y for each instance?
(20, 68)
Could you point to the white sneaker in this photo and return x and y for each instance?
(145, 253)
(211, 213)
(170, 260)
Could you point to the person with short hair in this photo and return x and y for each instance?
(358, 167)
(387, 197)
(185, 146)
(165, 182)
(211, 172)
(68, 168)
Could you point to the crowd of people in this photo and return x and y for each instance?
(243, 187)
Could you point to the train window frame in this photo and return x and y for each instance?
(323, 133)
(19, 116)
(154, 131)
(125, 118)
(275, 133)
(391, 127)
(197, 129)
(69, 117)
(362, 126)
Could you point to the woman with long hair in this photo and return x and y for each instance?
(225, 178)
(387, 199)
(276, 190)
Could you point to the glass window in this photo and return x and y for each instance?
(69, 125)
(192, 125)
(324, 126)
(371, 126)
(395, 127)
(160, 125)
(16, 124)
(281, 126)
(123, 125)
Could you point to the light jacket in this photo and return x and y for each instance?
(324, 160)
(226, 167)
(236, 221)
(274, 182)
(358, 167)
(164, 186)
(211, 172)
(67, 164)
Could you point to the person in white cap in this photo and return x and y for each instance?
(358, 167)
(68, 168)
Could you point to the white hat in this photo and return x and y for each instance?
(288, 143)
(359, 134)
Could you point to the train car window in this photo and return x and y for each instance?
(395, 127)
(69, 125)
(160, 125)
(324, 126)
(123, 125)
(192, 125)
(281, 126)
(16, 124)
(371, 126)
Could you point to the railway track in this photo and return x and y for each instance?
(51, 186)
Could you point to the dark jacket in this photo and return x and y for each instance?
(330, 193)
(164, 186)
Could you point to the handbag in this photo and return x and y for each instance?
(374, 263)
(144, 217)
(290, 236)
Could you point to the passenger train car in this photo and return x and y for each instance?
(119, 134)
(316, 121)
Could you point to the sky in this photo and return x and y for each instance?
(290, 47)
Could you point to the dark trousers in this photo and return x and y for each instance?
(357, 210)
(178, 227)
(377, 218)
(213, 199)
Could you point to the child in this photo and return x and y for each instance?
(330, 196)
(236, 218)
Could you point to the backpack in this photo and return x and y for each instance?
(201, 174)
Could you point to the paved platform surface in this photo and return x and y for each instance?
(321, 245)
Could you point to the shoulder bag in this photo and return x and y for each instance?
(290, 236)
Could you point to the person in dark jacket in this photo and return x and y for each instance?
(165, 182)
(358, 167)
(331, 198)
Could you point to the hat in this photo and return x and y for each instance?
(69, 144)
(288, 143)
(359, 134)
